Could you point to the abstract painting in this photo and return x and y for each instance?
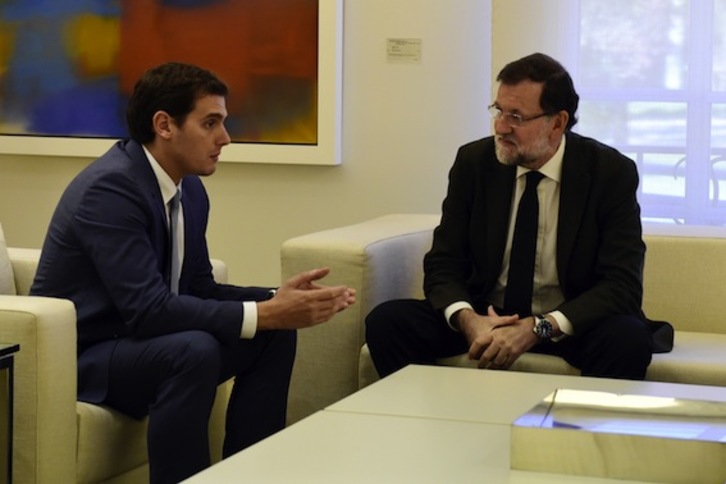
(67, 69)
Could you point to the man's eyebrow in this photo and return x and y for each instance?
(508, 111)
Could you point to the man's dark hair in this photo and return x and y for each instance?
(173, 88)
(558, 90)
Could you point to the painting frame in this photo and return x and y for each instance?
(327, 150)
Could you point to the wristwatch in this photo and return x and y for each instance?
(542, 327)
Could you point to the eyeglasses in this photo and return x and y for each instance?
(513, 120)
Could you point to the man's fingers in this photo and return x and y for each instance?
(324, 294)
(488, 356)
(324, 303)
(500, 361)
(335, 293)
(315, 274)
(479, 347)
(307, 277)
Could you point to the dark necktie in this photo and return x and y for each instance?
(518, 293)
(174, 271)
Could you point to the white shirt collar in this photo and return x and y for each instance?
(166, 184)
(553, 168)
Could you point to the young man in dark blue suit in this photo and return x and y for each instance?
(155, 335)
(577, 289)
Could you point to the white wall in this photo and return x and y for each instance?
(401, 127)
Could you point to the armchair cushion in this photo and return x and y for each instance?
(109, 443)
(7, 279)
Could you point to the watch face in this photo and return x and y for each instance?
(543, 328)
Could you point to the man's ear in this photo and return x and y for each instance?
(162, 123)
(560, 124)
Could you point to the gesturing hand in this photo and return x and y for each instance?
(301, 302)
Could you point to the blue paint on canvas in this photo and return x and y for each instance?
(41, 89)
(93, 109)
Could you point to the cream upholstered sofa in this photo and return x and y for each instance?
(383, 259)
(55, 438)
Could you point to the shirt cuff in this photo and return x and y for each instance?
(249, 320)
(451, 309)
(564, 324)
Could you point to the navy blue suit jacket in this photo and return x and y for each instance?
(107, 250)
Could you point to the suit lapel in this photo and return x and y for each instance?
(146, 178)
(499, 187)
(574, 191)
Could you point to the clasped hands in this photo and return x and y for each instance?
(496, 341)
(300, 302)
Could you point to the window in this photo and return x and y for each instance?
(651, 75)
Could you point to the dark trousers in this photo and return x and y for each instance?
(407, 331)
(173, 379)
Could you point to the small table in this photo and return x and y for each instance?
(7, 353)
(422, 424)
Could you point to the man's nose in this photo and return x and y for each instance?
(225, 139)
(501, 126)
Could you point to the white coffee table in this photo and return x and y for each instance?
(424, 425)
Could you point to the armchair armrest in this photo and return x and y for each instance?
(24, 263)
(45, 385)
(382, 259)
(219, 270)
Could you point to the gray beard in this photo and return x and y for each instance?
(517, 160)
(539, 150)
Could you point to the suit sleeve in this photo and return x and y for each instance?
(448, 265)
(612, 282)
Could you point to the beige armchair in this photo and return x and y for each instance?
(55, 438)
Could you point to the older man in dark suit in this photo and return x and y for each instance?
(156, 333)
(539, 246)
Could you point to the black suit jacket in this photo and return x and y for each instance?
(600, 250)
(107, 250)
